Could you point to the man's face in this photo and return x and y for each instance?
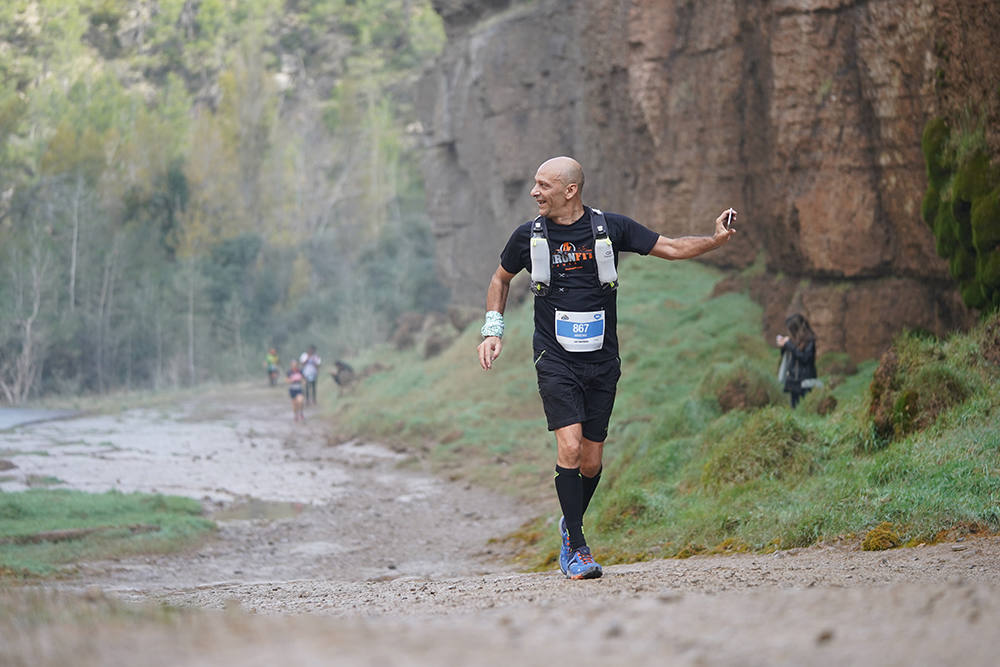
(549, 192)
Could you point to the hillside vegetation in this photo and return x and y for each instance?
(703, 453)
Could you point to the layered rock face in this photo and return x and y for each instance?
(804, 115)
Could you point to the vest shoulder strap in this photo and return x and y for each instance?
(603, 254)
(598, 223)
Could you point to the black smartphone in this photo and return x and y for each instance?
(729, 219)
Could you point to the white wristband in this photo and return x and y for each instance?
(493, 325)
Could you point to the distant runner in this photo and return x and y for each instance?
(295, 380)
(272, 363)
(574, 279)
(310, 363)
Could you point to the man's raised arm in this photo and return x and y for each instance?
(686, 247)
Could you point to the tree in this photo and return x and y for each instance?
(224, 173)
(28, 259)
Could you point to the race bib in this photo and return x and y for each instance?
(580, 332)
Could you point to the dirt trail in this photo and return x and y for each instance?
(345, 550)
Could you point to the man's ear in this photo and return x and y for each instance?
(571, 191)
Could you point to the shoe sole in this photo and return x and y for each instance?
(590, 574)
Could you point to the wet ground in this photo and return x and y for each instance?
(349, 553)
(289, 503)
(11, 417)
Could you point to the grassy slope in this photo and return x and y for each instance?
(681, 476)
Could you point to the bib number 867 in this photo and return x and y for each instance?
(580, 328)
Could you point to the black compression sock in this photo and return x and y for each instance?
(589, 486)
(569, 488)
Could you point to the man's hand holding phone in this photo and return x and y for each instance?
(724, 226)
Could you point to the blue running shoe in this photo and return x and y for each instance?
(582, 565)
(564, 551)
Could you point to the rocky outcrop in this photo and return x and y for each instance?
(805, 115)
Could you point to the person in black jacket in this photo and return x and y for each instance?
(800, 347)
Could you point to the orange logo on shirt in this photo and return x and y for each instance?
(568, 254)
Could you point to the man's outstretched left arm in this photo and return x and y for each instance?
(686, 247)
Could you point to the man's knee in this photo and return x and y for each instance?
(590, 468)
(569, 445)
(591, 456)
(570, 450)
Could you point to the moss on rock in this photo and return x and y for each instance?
(962, 264)
(946, 238)
(930, 205)
(933, 143)
(881, 537)
(986, 221)
(988, 268)
(975, 178)
(962, 206)
(972, 294)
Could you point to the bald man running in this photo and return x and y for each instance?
(575, 341)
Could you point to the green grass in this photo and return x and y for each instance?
(684, 471)
(106, 525)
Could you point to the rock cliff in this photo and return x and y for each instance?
(805, 115)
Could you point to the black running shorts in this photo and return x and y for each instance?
(577, 393)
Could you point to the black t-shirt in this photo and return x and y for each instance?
(575, 290)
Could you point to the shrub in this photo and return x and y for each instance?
(912, 386)
(624, 505)
(836, 364)
(989, 341)
(819, 401)
(740, 385)
(770, 444)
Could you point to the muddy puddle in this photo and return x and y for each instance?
(253, 509)
(227, 454)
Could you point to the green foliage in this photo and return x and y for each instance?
(913, 385)
(12, 110)
(985, 213)
(41, 530)
(770, 444)
(681, 476)
(930, 205)
(229, 269)
(933, 143)
(945, 232)
(178, 199)
(962, 206)
(740, 384)
(974, 178)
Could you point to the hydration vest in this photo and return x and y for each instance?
(541, 257)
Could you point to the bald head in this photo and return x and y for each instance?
(566, 169)
(558, 185)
